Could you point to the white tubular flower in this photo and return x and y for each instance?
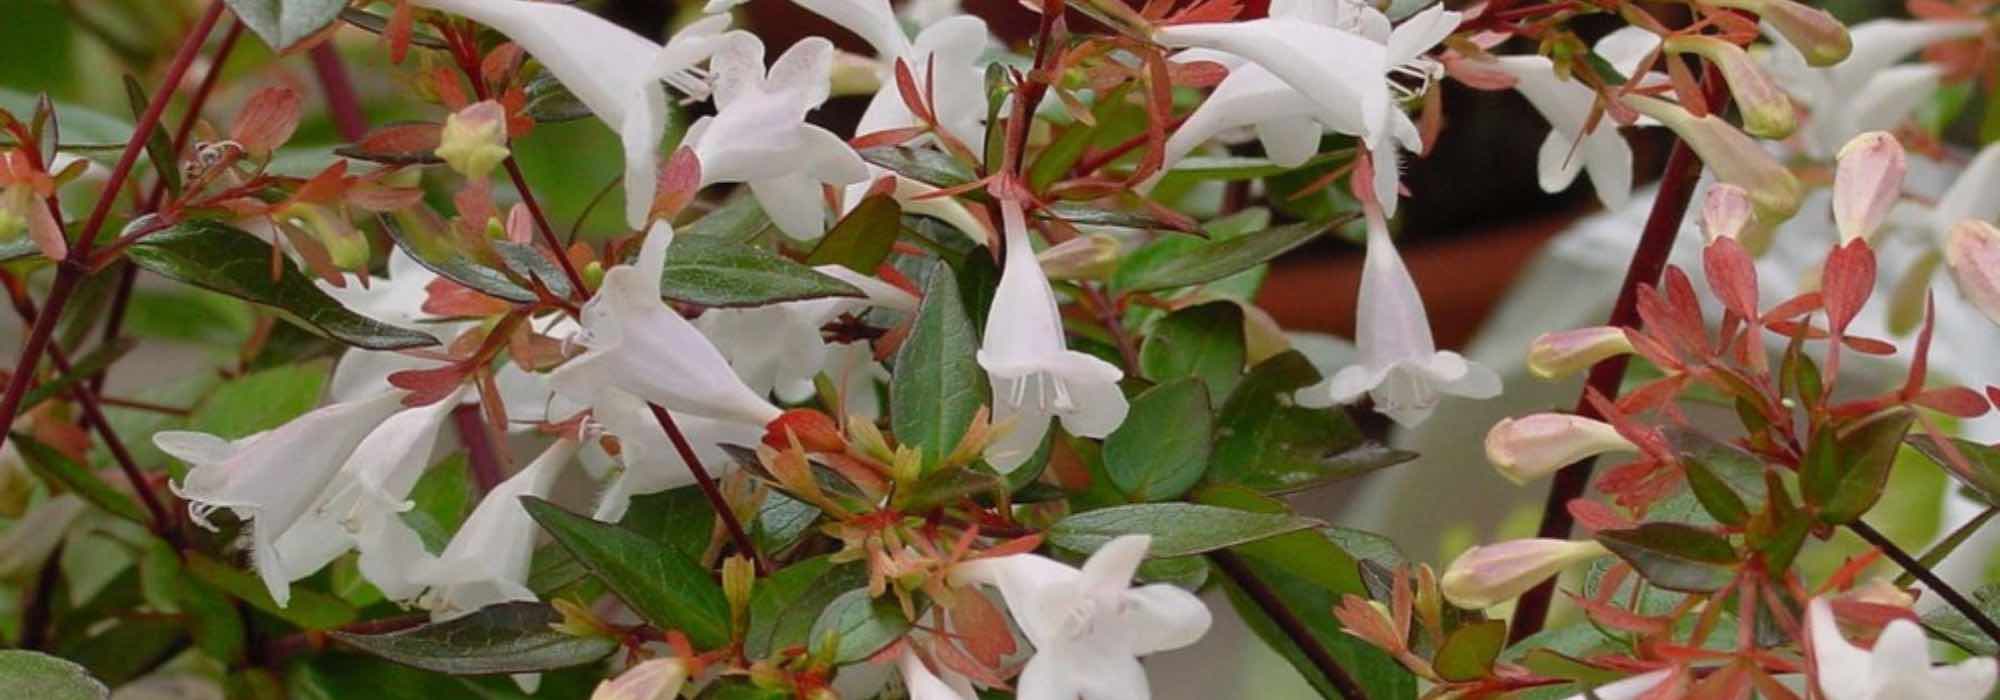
(1289, 115)
(1867, 183)
(1898, 667)
(922, 684)
(1867, 91)
(1036, 377)
(1970, 197)
(616, 73)
(1530, 447)
(272, 478)
(487, 560)
(779, 346)
(1486, 576)
(1089, 627)
(650, 462)
(654, 679)
(1400, 366)
(1566, 104)
(1558, 353)
(759, 135)
(1973, 253)
(396, 300)
(637, 344)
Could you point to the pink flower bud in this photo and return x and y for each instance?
(1486, 576)
(1867, 183)
(1725, 211)
(474, 139)
(1973, 252)
(657, 679)
(1736, 159)
(1767, 110)
(1559, 353)
(1531, 447)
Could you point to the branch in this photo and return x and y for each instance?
(1232, 565)
(1923, 573)
(744, 544)
(348, 119)
(480, 454)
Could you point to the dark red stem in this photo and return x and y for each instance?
(348, 119)
(737, 534)
(1232, 566)
(480, 453)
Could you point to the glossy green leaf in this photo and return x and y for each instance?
(1164, 444)
(937, 385)
(1981, 471)
(1218, 259)
(1313, 555)
(1203, 341)
(307, 608)
(1468, 653)
(861, 240)
(784, 605)
(1867, 453)
(1378, 675)
(714, 271)
(32, 674)
(739, 220)
(505, 638)
(282, 23)
(159, 151)
(1269, 443)
(928, 166)
(58, 468)
(1947, 622)
(1177, 529)
(434, 244)
(1675, 556)
(665, 586)
(861, 625)
(528, 262)
(216, 256)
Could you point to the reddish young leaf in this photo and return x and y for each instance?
(1846, 282)
(680, 178)
(428, 386)
(1596, 515)
(1732, 275)
(1954, 401)
(398, 31)
(266, 121)
(982, 628)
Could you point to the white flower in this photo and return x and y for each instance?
(1089, 627)
(637, 344)
(1536, 445)
(616, 73)
(396, 300)
(1489, 575)
(650, 464)
(922, 684)
(780, 346)
(759, 135)
(1289, 100)
(1970, 196)
(1036, 377)
(1566, 104)
(272, 478)
(1898, 667)
(1867, 91)
(1400, 366)
(655, 679)
(487, 560)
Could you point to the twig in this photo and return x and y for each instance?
(35, 618)
(277, 651)
(348, 119)
(480, 454)
(1937, 553)
(1937, 585)
(1649, 259)
(1239, 573)
(737, 534)
(76, 264)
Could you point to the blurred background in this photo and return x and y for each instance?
(1468, 240)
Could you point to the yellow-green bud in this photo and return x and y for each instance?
(474, 139)
(1735, 158)
(1767, 110)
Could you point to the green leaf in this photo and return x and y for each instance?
(739, 220)
(259, 401)
(937, 386)
(282, 23)
(80, 370)
(1981, 472)
(1163, 446)
(434, 244)
(1468, 653)
(729, 688)
(307, 608)
(505, 638)
(159, 151)
(860, 624)
(32, 674)
(1867, 452)
(1313, 555)
(1204, 341)
(1267, 442)
(341, 676)
(550, 102)
(931, 167)
(714, 271)
(1082, 214)
(1218, 259)
(1723, 477)
(1947, 622)
(1715, 495)
(1380, 677)
(84, 131)
(55, 467)
(663, 585)
(1178, 529)
(1675, 556)
(216, 256)
(784, 605)
(862, 239)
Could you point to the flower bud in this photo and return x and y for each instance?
(1486, 576)
(1767, 110)
(1089, 257)
(814, 430)
(474, 139)
(1559, 353)
(1725, 212)
(1867, 183)
(1735, 158)
(1819, 36)
(657, 679)
(739, 574)
(346, 246)
(1528, 448)
(1973, 253)
(855, 74)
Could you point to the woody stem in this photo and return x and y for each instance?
(741, 537)
(1240, 575)
(1923, 573)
